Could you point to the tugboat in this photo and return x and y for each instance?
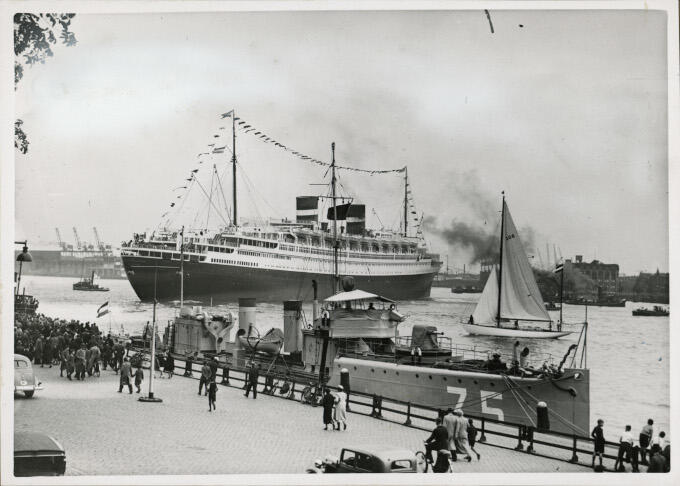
(550, 306)
(656, 311)
(88, 285)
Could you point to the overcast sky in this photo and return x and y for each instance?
(566, 111)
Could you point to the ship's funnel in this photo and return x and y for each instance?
(246, 313)
(292, 326)
(356, 219)
(307, 209)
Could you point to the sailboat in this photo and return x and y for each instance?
(511, 304)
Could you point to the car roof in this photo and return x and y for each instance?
(21, 357)
(386, 453)
(35, 442)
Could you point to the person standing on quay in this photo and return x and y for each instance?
(118, 353)
(80, 362)
(598, 439)
(63, 356)
(657, 461)
(169, 364)
(449, 421)
(212, 395)
(328, 402)
(341, 408)
(625, 449)
(125, 376)
(462, 436)
(206, 373)
(139, 377)
(252, 380)
(646, 435)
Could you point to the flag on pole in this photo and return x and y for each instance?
(559, 268)
(227, 114)
(103, 309)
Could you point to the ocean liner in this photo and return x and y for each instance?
(277, 260)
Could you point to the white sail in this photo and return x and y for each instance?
(486, 311)
(520, 297)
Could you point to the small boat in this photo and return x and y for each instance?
(270, 343)
(550, 306)
(511, 294)
(25, 304)
(88, 285)
(465, 290)
(656, 311)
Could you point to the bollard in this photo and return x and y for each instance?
(530, 438)
(408, 414)
(482, 437)
(519, 446)
(542, 418)
(344, 381)
(225, 375)
(373, 406)
(574, 457)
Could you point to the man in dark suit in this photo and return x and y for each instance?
(252, 380)
(438, 440)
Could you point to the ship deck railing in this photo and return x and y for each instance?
(567, 447)
(468, 352)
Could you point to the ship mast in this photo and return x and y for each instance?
(335, 222)
(181, 271)
(500, 263)
(405, 201)
(233, 161)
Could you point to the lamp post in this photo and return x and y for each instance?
(22, 257)
(151, 398)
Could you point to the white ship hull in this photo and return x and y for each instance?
(481, 330)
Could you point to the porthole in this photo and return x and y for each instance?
(430, 377)
(397, 373)
(529, 387)
(385, 371)
(355, 368)
(444, 378)
(492, 384)
(475, 382)
(372, 370)
(417, 375)
(460, 381)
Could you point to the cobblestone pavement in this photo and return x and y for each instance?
(110, 433)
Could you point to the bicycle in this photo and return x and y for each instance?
(312, 395)
(424, 465)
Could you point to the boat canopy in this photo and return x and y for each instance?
(355, 295)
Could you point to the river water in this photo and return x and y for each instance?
(628, 356)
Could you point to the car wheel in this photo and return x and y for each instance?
(29, 394)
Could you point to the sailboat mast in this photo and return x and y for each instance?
(405, 201)
(335, 222)
(233, 161)
(181, 271)
(500, 263)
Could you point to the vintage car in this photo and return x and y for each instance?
(369, 460)
(37, 454)
(24, 378)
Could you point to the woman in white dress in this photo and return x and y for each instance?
(341, 408)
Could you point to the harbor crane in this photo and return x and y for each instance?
(62, 245)
(79, 244)
(98, 241)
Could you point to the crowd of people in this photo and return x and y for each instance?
(80, 349)
(653, 451)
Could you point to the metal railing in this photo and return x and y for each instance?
(528, 438)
